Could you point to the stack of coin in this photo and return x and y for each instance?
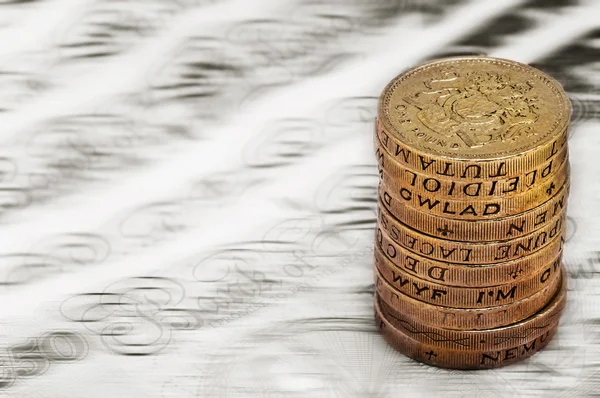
(473, 164)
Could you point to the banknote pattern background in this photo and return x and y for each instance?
(188, 194)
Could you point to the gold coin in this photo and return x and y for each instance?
(473, 117)
(476, 340)
(468, 275)
(432, 201)
(496, 230)
(470, 252)
(443, 188)
(476, 170)
(455, 359)
(466, 319)
(461, 296)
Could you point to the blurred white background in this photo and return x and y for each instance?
(188, 193)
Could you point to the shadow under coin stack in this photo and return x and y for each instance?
(474, 178)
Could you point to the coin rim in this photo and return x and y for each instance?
(492, 227)
(550, 315)
(394, 168)
(464, 360)
(533, 264)
(459, 293)
(509, 206)
(428, 314)
(481, 253)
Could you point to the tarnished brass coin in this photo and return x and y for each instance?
(470, 252)
(432, 354)
(451, 274)
(466, 319)
(479, 340)
(461, 296)
(496, 230)
(473, 118)
(453, 189)
(430, 199)
(474, 176)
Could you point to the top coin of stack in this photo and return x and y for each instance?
(474, 176)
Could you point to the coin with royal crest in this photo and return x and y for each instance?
(447, 115)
